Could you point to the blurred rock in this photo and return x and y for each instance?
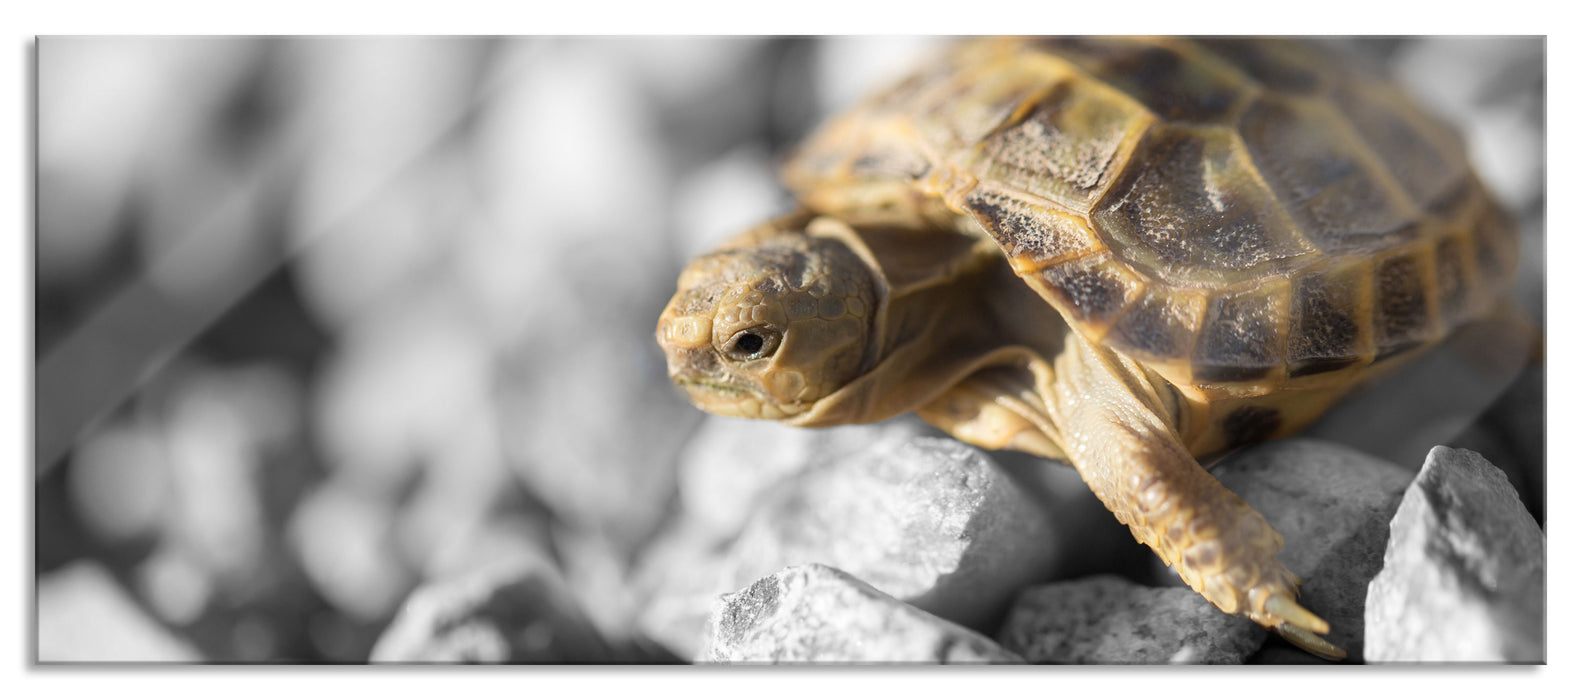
(848, 68)
(1510, 435)
(1519, 417)
(679, 579)
(85, 616)
(818, 614)
(1089, 540)
(120, 481)
(597, 571)
(116, 113)
(1402, 415)
(405, 381)
(177, 587)
(930, 521)
(1492, 87)
(379, 200)
(512, 614)
(1109, 620)
(1463, 577)
(216, 463)
(1333, 505)
(345, 539)
(725, 197)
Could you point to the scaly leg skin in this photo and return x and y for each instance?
(1117, 435)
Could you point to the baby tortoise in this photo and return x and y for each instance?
(1209, 242)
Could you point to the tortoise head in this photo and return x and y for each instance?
(769, 325)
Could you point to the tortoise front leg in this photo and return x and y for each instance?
(1119, 438)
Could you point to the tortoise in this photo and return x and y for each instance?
(1125, 253)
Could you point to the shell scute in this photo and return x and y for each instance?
(1160, 325)
(1033, 236)
(1242, 336)
(1325, 307)
(1068, 146)
(1421, 155)
(1279, 66)
(1402, 318)
(1193, 208)
(1095, 288)
(1324, 177)
(1171, 84)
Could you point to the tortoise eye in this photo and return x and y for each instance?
(753, 343)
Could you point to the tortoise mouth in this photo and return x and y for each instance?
(734, 400)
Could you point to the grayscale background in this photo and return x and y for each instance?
(322, 321)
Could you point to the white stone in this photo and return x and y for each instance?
(1463, 577)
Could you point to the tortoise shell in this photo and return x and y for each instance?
(1235, 214)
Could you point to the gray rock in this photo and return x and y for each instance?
(511, 614)
(931, 521)
(729, 464)
(1435, 397)
(1333, 505)
(1109, 620)
(1463, 577)
(815, 613)
(726, 470)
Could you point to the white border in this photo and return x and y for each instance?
(786, 17)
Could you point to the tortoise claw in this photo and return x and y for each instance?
(1292, 614)
(1301, 627)
(1310, 643)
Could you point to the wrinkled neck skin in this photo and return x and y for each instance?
(948, 306)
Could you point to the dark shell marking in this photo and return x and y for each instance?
(1250, 424)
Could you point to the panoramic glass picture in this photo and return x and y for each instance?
(775, 350)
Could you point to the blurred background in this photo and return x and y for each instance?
(319, 321)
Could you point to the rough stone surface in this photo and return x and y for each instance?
(930, 521)
(512, 614)
(1333, 505)
(815, 613)
(1109, 620)
(1463, 577)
